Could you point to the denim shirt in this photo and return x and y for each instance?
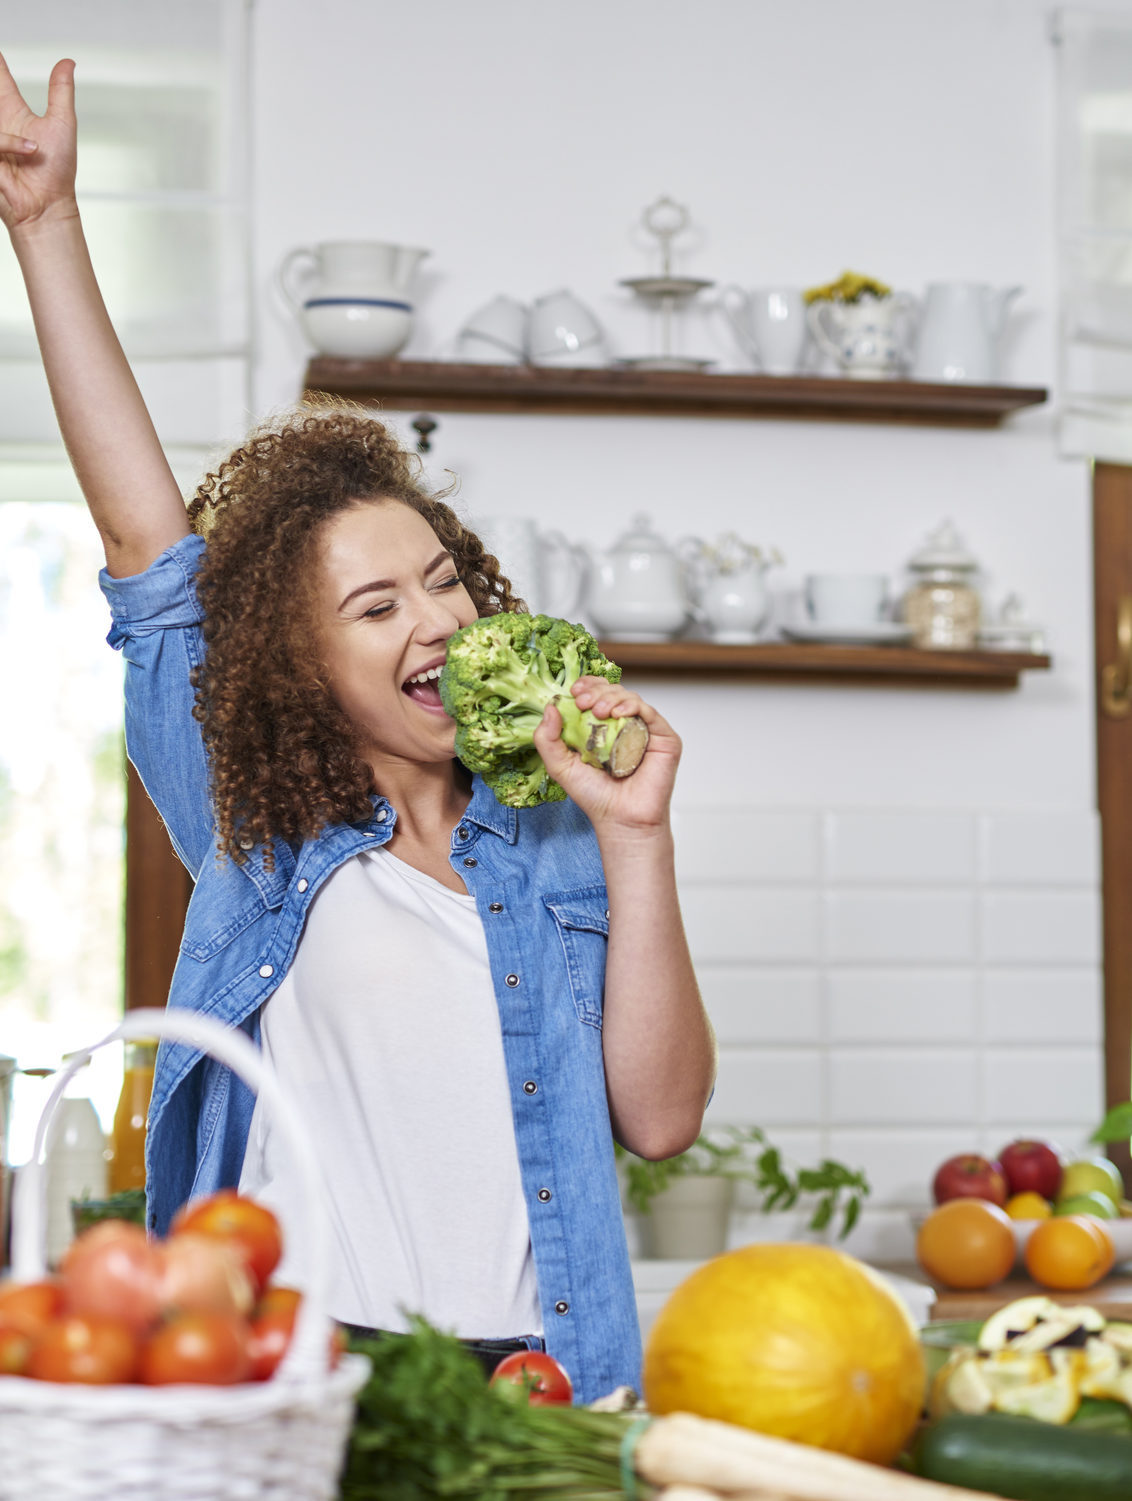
(539, 887)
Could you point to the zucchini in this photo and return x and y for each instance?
(1025, 1459)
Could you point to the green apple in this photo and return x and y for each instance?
(1094, 1203)
(1092, 1175)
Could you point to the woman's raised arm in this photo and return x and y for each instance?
(131, 491)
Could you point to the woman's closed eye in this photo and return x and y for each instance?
(376, 612)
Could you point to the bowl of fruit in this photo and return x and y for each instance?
(1065, 1223)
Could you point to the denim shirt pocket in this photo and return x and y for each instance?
(582, 919)
(224, 905)
(203, 945)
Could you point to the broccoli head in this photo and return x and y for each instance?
(501, 672)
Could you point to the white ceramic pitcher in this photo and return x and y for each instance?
(352, 296)
(958, 336)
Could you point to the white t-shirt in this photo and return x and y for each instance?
(385, 1034)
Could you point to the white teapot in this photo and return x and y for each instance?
(637, 589)
(728, 586)
(352, 296)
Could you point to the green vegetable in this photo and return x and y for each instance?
(429, 1425)
(1102, 1414)
(127, 1205)
(501, 673)
(1025, 1459)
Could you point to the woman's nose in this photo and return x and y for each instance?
(439, 618)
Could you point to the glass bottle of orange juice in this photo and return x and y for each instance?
(127, 1138)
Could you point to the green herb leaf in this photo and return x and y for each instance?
(1116, 1126)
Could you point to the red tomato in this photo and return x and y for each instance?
(28, 1306)
(273, 1324)
(16, 1346)
(251, 1227)
(201, 1349)
(97, 1352)
(111, 1271)
(200, 1274)
(540, 1374)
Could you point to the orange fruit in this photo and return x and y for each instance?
(1069, 1252)
(966, 1243)
(795, 1340)
(1028, 1206)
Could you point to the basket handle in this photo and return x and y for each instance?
(308, 1352)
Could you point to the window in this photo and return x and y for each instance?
(162, 94)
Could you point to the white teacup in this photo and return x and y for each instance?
(563, 331)
(496, 334)
(770, 325)
(846, 598)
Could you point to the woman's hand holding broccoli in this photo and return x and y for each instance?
(636, 804)
(37, 152)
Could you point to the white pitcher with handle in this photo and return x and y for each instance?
(958, 336)
(868, 338)
(352, 296)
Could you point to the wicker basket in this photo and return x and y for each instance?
(278, 1440)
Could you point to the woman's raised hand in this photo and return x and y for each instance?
(37, 152)
(632, 806)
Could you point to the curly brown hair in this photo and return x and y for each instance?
(283, 758)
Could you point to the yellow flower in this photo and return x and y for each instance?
(850, 286)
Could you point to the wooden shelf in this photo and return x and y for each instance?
(414, 385)
(787, 661)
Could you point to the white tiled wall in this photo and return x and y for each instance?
(892, 987)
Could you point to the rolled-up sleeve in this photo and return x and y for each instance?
(156, 624)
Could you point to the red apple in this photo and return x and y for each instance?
(1032, 1167)
(969, 1176)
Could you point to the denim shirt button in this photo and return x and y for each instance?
(495, 906)
(303, 884)
(382, 814)
(544, 1195)
(461, 833)
(530, 1087)
(562, 1306)
(267, 970)
(468, 861)
(512, 980)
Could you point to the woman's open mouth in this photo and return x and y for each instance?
(424, 688)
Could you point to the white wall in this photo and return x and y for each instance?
(908, 139)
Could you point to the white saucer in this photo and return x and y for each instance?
(878, 633)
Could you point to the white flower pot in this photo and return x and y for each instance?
(689, 1220)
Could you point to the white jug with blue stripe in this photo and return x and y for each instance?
(352, 296)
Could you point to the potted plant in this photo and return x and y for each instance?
(685, 1201)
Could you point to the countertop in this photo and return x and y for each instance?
(1111, 1296)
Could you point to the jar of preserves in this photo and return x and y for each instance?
(942, 604)
(127, 1138)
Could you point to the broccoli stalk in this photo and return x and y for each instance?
(501, 672)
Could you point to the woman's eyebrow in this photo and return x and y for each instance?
(378, 584)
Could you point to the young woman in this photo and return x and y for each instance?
(467, 1004)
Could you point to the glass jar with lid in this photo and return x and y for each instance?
(942, 603)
